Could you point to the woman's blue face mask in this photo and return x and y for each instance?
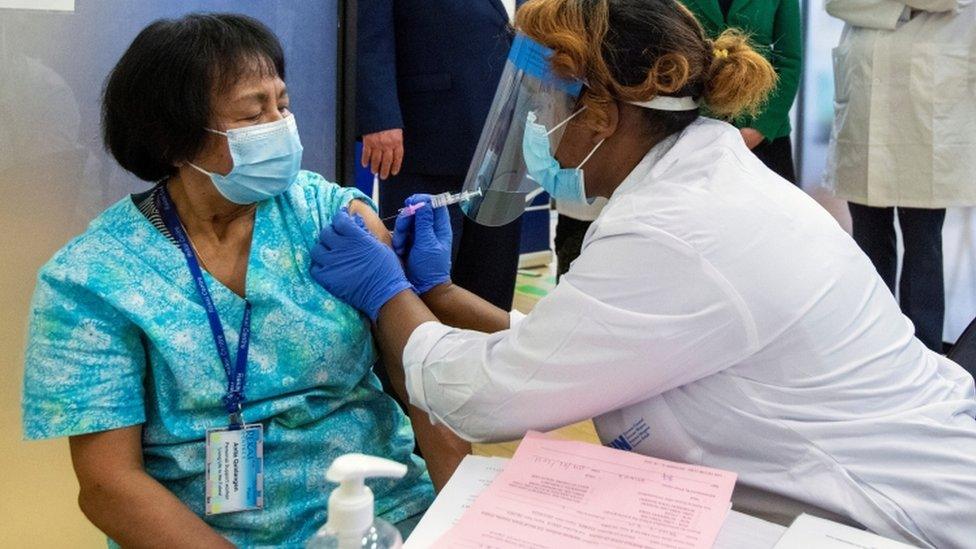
(565, 184)
(267, 159)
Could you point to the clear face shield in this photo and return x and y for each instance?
(497, 178)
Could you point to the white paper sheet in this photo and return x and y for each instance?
(809, 531)
(475, 474)
(742, 531)
(471, 478)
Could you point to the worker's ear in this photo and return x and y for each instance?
(613, 121)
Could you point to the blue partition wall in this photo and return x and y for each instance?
(54, 65)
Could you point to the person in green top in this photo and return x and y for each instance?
(773, 26)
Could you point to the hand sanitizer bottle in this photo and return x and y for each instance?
(351, 524)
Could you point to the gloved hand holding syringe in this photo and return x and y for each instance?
(437, 201)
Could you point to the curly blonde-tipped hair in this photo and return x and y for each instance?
(635, 50)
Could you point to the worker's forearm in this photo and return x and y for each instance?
(396, 322)
(442, 449)
(457, 307)
(135, 510)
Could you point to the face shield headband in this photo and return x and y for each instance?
(498, 178)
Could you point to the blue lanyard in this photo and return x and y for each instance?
(236, 371)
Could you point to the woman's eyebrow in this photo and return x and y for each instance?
(259, 96)
(256, 96)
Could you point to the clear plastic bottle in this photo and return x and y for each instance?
(351, 523)
(380, 535)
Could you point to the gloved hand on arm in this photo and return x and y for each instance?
(423, 241)
(351, 264)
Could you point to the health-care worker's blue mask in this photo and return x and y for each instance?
(267, 158)
(565, 184)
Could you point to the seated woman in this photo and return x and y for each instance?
(123, 356)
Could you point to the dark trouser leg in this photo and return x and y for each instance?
(922, 287)
(874, 232)
(487, 261)
(777, 155)
(569, 240)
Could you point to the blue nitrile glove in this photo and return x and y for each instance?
(423, 240)
(351, 264)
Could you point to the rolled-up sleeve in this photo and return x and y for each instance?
(640, 313)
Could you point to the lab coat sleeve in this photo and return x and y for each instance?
(883, 14)
(640, 313)
(377, 102)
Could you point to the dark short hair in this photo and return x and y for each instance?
(158, 98)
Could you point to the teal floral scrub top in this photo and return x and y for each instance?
(119, 337)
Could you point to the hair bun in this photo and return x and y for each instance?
(739, 79)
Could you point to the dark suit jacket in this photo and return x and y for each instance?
(430, 67)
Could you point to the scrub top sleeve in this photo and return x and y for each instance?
(84, 364)
(326, 198)
(639, 314)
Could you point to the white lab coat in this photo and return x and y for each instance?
(904, 131)
(581, 211)
(719, 316)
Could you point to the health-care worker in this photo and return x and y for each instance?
(716, 315)
(124, 358)
(903, 139)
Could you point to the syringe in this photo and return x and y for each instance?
(438, 201)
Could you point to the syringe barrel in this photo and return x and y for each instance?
(440, 200)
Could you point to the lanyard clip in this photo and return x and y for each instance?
(237, 418)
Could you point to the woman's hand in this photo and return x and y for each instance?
(423, 240)
(752, 137)
(351, 264)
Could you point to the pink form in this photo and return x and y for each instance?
(563, 494)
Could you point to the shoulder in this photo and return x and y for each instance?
(312, 191)
(706, 189)
(313, 201)
(99, 249)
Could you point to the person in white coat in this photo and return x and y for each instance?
(904, 139)
(715, 316)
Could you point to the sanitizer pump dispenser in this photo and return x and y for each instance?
(351, 524)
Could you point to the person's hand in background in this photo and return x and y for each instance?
(752, 137)
(423, 241)
(383, 152)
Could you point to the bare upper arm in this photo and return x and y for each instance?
(96, 455)
(373, 222)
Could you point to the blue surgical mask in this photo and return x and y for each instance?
(564, 184)
(267, 158)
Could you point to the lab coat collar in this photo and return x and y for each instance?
(700, 134)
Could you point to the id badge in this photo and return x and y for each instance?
(235, 469)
